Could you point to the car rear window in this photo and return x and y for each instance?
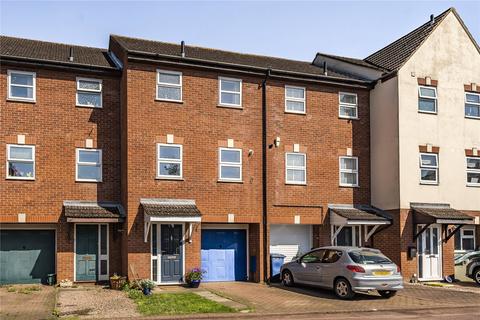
(368, 257)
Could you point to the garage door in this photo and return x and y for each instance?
(224, 255)
(26, 256)
(290, 240)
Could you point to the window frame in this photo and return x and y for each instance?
(229, 164)
(20, 160)
(230, 105)
(99, 81)
(169, 85)
(303, 100)
(287, 167)
(33, 86)
(420, 96)
(470, 184)
(169, 160)
(92, 164)
(462, 236)
(340, 171)
(348, 105)
(474, 103)
(429, 167)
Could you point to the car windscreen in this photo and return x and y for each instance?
(368, 257)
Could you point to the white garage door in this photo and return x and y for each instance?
(291, 240)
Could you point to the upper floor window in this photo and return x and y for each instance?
(89, 165)
(296, 168)
(429, 168)
(472, 105)
(230, 93)
(473, 171)
(465, 239)
(169, 161)
(427, 99)
(348, 105)
(169, 85)
(21, 85)
(230, 164)
(20, 162)
(294, 99)
(89, 93)
(349, 171)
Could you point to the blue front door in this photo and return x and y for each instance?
(86, 252)
(224, 254)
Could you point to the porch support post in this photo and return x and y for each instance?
(146, 228)
(416, 234)
(452, 233)
(335, 234)
(368, 235)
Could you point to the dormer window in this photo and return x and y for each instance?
(427, 99)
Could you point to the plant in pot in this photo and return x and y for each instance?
(147, 286)
(117, 282)
(194, 277)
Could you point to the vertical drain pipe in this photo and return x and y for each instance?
(264, 174)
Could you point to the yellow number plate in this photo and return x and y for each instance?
(381, 273)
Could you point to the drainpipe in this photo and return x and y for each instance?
(264, 173)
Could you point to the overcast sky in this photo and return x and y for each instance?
(289, 29)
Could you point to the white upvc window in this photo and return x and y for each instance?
(348, 105)
(21, 85)
(295, 168)
(465, 239)
(20, 162)
(169, 161)
(230, 164)
(348, 171)
(169, 85)
(295, 99)
(472, 105)
(473, 171)
(427, 99)
(230, 92)
(89, 165)
(89, 92)
(428, 168)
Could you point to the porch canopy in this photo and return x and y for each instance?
(358, 215)
(438, 213)
(93, 211)
(170, 211)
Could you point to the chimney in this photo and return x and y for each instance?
(432, 19)
(70, 57)
(182, 45)
(325, 71)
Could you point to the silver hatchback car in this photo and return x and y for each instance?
(346, 270)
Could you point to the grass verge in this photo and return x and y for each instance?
(176, 303)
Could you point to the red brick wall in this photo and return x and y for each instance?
(57, 127)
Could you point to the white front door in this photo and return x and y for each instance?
(429, 245)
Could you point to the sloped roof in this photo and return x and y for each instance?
(92, 209)
(170, 207)
(133, 45)
(366, 213)
(52, 52)
(440, 211)
(394, 55)
(356, 61)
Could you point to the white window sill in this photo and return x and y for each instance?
(22, 100)
(476, 185)
(88, 180)
(229, 181)
(231, 106)
(289, 183)
(167, 100)
(348, 118)
(88, 106)
(296, 112)
(170, 178)
(473, 118)
(349, 185)
(21, 178)
(428, 112)
(425, 183)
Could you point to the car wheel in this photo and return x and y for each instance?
(343, 289)
(287, 278)
(476, 275)
(387, 293)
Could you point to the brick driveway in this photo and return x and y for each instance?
(277, 299)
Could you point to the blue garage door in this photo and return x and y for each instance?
(224, 254)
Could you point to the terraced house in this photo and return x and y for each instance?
(150, 158)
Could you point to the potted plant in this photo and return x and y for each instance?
(117, 282)
(194, 277)
(147, 286)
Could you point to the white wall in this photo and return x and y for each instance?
(450, 57)
(290, 239)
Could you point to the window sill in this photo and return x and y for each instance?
(230, 181)
(295, 183)
(429, 183)
(20, 179)
(170, 178)
(22, 100)
(229, 106)
(89, 181)
(296, 112)
(473, 118)
(348, 118)
(349, 186)
(428, 112)
(86, 106)
(473, 185)
(171, 101)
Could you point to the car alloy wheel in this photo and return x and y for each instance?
(287, 278)
(477, 275)
(343, 289)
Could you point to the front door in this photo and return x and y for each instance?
(171, 244)
(429, 246)
(86, 252)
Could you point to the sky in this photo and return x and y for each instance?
(289, 29)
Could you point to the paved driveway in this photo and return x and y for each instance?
(277, 299)
(21, 302)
